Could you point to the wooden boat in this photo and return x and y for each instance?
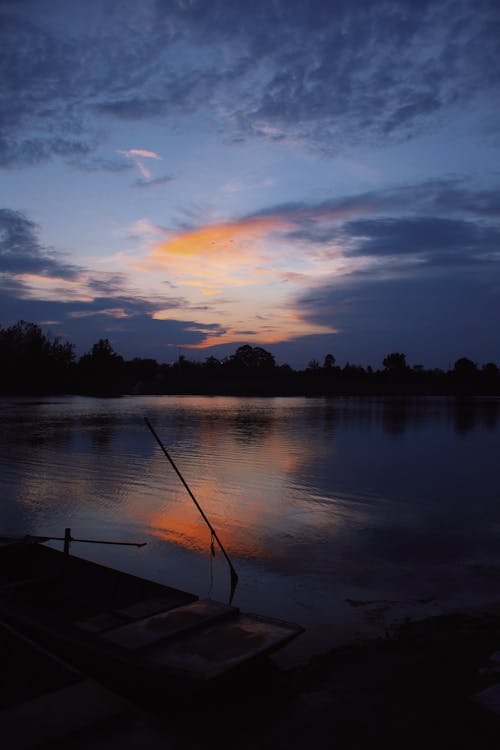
(128, 628)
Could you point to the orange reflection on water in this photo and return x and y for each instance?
(195, 535)
(242, 482)
(236, 520)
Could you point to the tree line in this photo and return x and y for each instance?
(34, 363)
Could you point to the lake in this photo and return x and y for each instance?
(344, 515)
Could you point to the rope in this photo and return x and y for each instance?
(211, 555)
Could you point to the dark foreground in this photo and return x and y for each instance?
(412, 690)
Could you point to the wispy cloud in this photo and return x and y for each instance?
(153, 181)
(93, 164)
(137, 155)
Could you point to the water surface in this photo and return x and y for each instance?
(345, 515)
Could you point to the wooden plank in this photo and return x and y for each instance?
(222, 647)
(153, 629)
(101, 622)
(146, 607)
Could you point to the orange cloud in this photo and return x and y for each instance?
(280, 330)
(262, 257)
(219, 239)
(219, 255)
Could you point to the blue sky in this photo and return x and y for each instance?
(191, 175)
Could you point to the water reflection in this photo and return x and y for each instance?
(399, 415)
(317, 501)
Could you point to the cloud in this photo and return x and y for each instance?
(41, 75)
(214, 255)
(435, 240)
(450, 196)
(140, 153)
(31, 151)
(153, 181)
(133, 109)
(329, 76)
(122, 305)
(99, 164)
(22, 253)
(55, 65)
(137, 155)
(107, 284)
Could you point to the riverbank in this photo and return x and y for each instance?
(413, 689)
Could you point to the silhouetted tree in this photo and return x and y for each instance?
(254, 358)
(490, 368)
(490, 371)
(313, 364)
(395, 363)
(102, 370)
(212, 363)
(465, 367)
(142, 375)
(32, 362)
(354, 372)
(329, 362)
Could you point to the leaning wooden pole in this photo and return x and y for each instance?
(234, 575)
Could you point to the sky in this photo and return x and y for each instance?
(187, 176)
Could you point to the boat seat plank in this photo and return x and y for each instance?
(115, 618)
(222, 647)
(150, 606)
(164, 625)
(101, 622)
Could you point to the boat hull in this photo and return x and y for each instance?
(126, 630)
